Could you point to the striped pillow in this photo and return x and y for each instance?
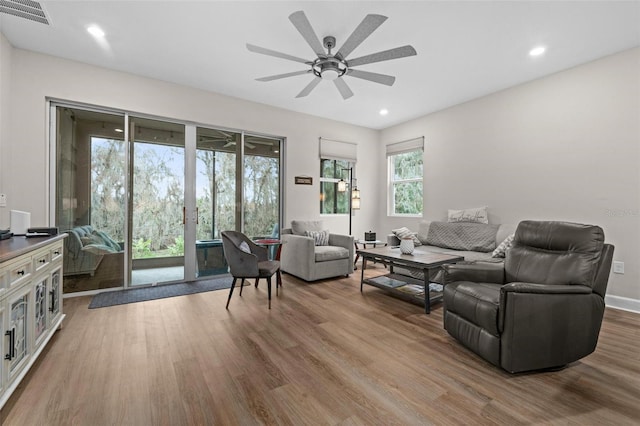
(405, 232)
(320, 238)
(501, 250)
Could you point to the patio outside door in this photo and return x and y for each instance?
(157, 200)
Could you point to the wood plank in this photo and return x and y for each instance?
(324, 354)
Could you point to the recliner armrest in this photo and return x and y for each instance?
(483, 272)
(519, 287)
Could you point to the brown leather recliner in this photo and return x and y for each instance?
(542, 308)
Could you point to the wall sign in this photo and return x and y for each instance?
(304, 180)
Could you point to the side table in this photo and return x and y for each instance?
(364, 244)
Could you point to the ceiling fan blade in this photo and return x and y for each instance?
(300, 21)
(343, 88)
(279, 76)
(398, 52)
(309, 87)
(387, 80)
(269, 52)
(368, 25)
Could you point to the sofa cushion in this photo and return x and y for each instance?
(299, 227)
(463, 236)
(475, 302)
(327, 253)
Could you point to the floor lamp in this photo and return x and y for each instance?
(354, 194)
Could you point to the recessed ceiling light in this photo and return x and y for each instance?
(384, 111)
(537, 51)
(118, 130)
(95, 31)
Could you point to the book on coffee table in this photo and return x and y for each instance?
(413, 289)
(387, 282)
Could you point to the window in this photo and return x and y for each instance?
(331, 200)
(405, 177)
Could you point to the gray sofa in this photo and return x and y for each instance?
(302, 258)
(473, 241)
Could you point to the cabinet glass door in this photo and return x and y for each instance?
(54, 296)
(17, 332)
(40, 298)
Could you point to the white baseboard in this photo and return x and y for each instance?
(623, 303)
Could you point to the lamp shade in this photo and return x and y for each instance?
(355, 203)
(342, 186)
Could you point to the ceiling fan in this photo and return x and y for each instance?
(329, 66)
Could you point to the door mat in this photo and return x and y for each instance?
(121, 297)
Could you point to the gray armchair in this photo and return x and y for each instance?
(302, 258)
(543, 308)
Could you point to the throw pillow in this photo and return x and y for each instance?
(91, 239)
(320, 238)
(244, 247)
(501, 250)
(477, 215)
(405, 232)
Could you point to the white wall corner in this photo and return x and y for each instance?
(622, 303)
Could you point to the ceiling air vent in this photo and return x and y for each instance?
(27, 9)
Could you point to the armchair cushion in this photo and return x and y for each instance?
(326, 253)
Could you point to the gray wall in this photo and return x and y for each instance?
(34, 77)
(564, 147)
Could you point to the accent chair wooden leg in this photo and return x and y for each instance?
(269, 290)
(278, 280)
(241, 285)
(233, 284)
(257, 279)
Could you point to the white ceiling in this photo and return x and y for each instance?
(465, 49)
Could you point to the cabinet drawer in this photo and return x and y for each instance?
(56, 252)
(41, 260)
(18, 272)
(3, 284)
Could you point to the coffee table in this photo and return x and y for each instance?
(405, 287)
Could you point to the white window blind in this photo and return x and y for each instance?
(406, 146)
(337, 150)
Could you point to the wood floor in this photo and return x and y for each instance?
(324, 354)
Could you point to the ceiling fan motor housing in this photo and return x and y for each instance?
(329, 68)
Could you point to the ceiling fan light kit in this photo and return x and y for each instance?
(333, 67)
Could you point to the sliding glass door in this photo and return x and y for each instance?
(144, 201)
(157, 213)
(90, 201)
(237, 188)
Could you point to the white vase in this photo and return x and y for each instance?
(406, 245)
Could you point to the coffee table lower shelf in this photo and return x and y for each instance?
(406, 288)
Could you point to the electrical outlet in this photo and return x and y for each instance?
(3, 200)
(618, 267)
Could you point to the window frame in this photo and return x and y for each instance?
(391, 184)
(323, 179)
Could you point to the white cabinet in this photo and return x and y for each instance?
(30, 304)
